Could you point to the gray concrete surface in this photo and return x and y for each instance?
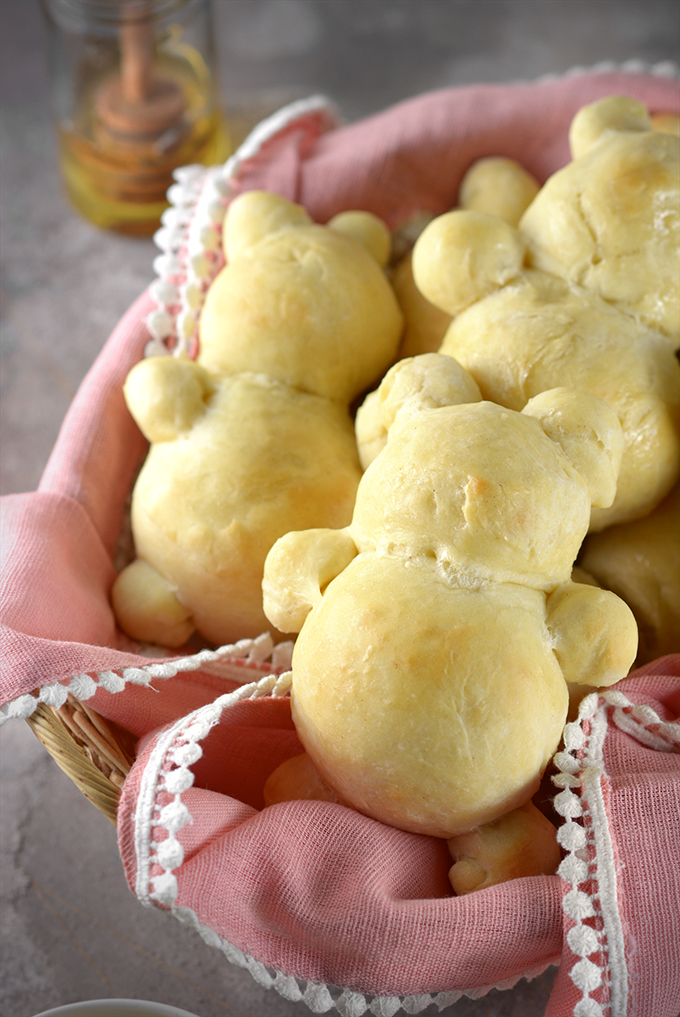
(71, 930)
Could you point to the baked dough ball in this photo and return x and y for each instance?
(640, 562)
(430, 381)
(521, 843)
(296, 779)
(498, 186)
(538, 330)
(584, 293)
(437, 632)
(254, 438)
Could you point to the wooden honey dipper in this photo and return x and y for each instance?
(139, 117)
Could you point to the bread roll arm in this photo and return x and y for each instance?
(166, 396)
(297, 571)
(595, 634)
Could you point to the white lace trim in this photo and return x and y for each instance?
(83, 686)
(662, 69)
(180, 746)
(192, 729)
(590, 865)
(190, 236)
(643, 723)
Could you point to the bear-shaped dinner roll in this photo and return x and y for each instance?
(254, 437)
(584, 293)
(438, 631)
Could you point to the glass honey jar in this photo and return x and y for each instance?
(135, 95)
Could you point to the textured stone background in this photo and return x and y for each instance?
(71, 929)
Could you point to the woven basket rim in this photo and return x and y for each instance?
(94, 753)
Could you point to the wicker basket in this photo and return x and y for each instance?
(94, 753)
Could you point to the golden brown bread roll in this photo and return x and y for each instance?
(439, 630)
(255, 437)
(296, 779)
(521, 843)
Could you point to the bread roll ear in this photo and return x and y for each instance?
(252, 216)
(368, 230)
(410, 386)
(370, 430)
(588, 432)
(424, 383)
(166, 396)
(297, 571)
(498, 186)
(615, 113)
(463, 256)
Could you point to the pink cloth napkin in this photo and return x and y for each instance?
(328, 896)
(314, 890)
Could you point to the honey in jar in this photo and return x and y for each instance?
(135, 97)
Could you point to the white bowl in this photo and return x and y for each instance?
(116, 1008)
